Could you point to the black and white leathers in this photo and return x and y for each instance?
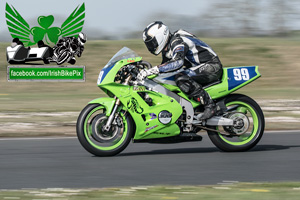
(202, 66)
(184, 49)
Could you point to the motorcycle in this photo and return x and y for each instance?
(64, 53)
(155, 110)
(18, 54)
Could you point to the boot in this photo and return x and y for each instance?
(210, 110)
(203, 97)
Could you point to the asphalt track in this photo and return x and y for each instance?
(63, 163)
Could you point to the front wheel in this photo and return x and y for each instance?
(62, 57)
(248, 125)
(98, 141)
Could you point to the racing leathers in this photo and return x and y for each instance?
(202, 66)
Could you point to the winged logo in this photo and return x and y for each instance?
(19, 28)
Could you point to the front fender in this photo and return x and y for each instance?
(107, 102)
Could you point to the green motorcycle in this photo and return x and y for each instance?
(155, 110)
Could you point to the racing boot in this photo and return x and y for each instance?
(210, 110)
(203, 97)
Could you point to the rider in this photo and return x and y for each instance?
(202, 65)
(77, 45)
(17, 41)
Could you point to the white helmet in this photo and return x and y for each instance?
(156, 36)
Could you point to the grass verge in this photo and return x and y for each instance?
(226, 190)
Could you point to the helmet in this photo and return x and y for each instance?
(82, 38)
(156, 36)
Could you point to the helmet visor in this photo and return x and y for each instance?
(151, 45)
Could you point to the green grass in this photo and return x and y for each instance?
(245, 191)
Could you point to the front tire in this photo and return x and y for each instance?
(63, 57)
(246, 135)
(94, 139)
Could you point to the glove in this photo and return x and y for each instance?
(147, 72)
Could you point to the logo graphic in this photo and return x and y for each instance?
(19, 28)
(150, 128)
(165, 117)
(153, 116)
(133, 104)
(139, 88)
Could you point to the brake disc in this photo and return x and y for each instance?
(241, 123)
(99, 134)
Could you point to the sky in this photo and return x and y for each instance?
(119, 17)
(110, 16)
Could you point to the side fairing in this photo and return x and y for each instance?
(146, 117)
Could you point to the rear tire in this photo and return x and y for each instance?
(247, 107)
(94, 140)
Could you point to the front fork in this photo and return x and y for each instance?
(112, 115)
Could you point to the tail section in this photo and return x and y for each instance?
(233, 79)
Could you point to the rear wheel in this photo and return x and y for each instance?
(248, 125)
(97, 141)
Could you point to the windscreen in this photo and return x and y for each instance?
(124, 53)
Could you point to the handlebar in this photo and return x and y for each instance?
(131, 70)
(145, 63)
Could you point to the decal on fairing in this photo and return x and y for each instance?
(161, 133)
(150, 128)
(139, 88)
(240, 75)
(103, 73)
(130, 60)
(134, 106)
(153, 116)
(165, 117)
